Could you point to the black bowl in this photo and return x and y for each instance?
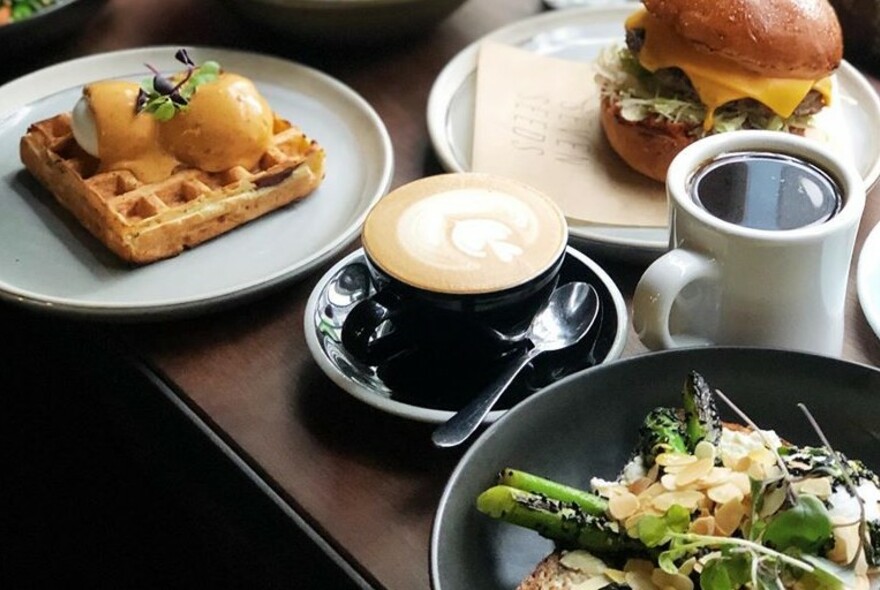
(585, 426)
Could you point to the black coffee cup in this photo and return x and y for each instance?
(481, 327)
(454, 322)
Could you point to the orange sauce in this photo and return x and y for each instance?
(227, 123)
(126, 139)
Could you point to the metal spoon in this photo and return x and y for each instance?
(566, 316)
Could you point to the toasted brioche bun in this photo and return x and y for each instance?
(648, 149)
(783, 38)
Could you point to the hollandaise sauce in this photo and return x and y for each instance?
(226, 123)
(126, 139)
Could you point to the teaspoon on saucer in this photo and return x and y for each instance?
(565, 318)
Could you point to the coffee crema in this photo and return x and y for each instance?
(465, 233)
(767, 191)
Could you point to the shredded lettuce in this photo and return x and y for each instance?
(642, 95)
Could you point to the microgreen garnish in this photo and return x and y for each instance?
(163, 97)
(851, 486)
(780, 537)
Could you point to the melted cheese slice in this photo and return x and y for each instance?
(718, 80)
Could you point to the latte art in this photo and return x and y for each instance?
(449, 236)
(468, 229)
(480, 237)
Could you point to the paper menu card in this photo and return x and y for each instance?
(537, 120)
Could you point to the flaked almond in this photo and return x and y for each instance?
(728, 516)
(716, 476)
(596, 583)
(638, 565)
(705, 525)
(741, 480)
(666, 580)
(724, 493)
(584, 562)
(637, 574)
(818, 486)
(773, 500)
(693, 472)
(640, 485)
(686, 498)
(687, 566)
(653, 490)
(668, 482)
(705, 450)
(737, 463)
(622, 506)
(762, 455)
(616, 576)
(674, 459)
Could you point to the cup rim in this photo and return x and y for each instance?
(452, 181)
(685, 164)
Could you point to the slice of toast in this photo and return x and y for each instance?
(142, 222)
(553, 574)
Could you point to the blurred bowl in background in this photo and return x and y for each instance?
(47, 26)
(346, 21)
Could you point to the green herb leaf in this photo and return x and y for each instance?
(165, 110)
(654, 531)
(164, 97)
(727, 572)
(804, 526)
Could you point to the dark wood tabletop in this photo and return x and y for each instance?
(365, 483)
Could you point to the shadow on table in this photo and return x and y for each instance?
(108, 485)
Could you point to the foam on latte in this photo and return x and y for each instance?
(465, 233)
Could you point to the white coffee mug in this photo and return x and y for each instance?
(728, 284)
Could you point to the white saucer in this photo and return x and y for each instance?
(328, 305)
(579, 34)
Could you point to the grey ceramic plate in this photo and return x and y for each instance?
(50, 263)
(580, 34)
(586, 426)
(331, 300)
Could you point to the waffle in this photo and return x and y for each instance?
(143, 222)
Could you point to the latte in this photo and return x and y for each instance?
(465, 233)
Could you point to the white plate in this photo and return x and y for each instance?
(49, 262)
(336, 294)
(579, 34)
(868, 279)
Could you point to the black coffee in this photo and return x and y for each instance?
(766, 191)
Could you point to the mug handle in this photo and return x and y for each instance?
(359, 331)
(657, 291)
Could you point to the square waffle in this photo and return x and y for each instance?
(143, 222)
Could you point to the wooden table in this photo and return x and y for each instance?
(364, 483)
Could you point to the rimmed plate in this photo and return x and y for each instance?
(868, 279)
(50, 263)
(579, 34)
(341, 288)
(586, 426)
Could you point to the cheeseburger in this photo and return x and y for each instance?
(692, 68)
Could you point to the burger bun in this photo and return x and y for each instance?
(648, 149)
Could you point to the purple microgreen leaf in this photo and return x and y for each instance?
(183, 57)
(141, 100)
(163, 85)
(164, 96)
